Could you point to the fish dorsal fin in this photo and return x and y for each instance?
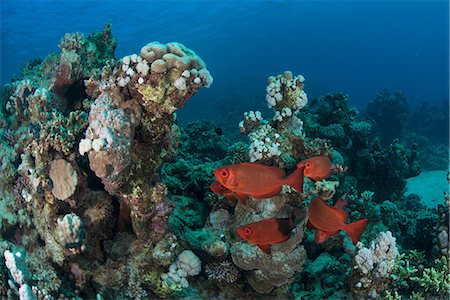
(320, 236)
(248, 164)
(342, 214)
(280, 172)
(295, 179)
(340, 203)
(264, 248)
(321, 205)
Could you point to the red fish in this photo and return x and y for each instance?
(219, 189)
(330, 220)
(340, 203)
(316, 167)
(267, 232)
(257, 180)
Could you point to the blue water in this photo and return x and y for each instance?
(339, 46)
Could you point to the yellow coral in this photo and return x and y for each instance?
(326, 189)
(158, 95)
(152, 93)
(159, 286)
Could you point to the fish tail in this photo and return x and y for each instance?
(295, 180)
(355, 229)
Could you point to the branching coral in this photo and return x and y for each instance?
(224, 271)
(187, 264)
(281, 139)
(435, 279)
(373, 265)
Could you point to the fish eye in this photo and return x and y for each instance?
(248, 231)
(308, 165)
(225, 173)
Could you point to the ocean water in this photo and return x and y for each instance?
(354, 47)
(315, 166)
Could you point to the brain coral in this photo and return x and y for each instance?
(64, 178)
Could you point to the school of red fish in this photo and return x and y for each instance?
(238, 182)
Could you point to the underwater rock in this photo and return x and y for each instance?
(165, 250)
(267, 271)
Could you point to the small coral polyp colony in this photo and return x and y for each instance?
(104, 196)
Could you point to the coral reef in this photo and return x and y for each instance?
(428, 128)
(381, 111)
(81, 103)
(373, 167)
(104, 195)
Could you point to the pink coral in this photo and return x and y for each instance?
(159, 220)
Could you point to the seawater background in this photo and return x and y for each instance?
(355, 47)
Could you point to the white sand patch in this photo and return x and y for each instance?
(430, 186)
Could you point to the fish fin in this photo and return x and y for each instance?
(247, 163)
(295, 180)
(340, 203)
(242, 197)
(256, 166)
(285, 227)
(355, 229)
(215, 187)
(268, 195)
(320, 236)
(309, 226)
(264, 248)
